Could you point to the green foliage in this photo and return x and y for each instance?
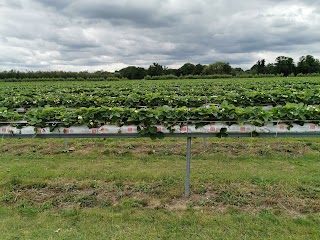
(132, 203)
(87, 201)
(163, 77)
(308, 64)
(134, 94)
(9, 114)
(155, 70)
(285, 65)
(217, 68)
(147, 104)
(133, 72)
(259, 67)
(55, 75)
(147, 118)
(190, 69)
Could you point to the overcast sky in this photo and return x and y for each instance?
(92, 35)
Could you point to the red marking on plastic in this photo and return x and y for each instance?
(3, 130)
(94, 130)
(130, 129)
(102, 129)
(159, 129)
(39, 131)
(282, 127)
(183, 129)
(66, 130)
(312, 126)
(242, 129)
(212, 129)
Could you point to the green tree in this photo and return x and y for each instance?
(155, 70)
(198, 69)
(133, 72)
(236, 71)
(217, 68)
(308, 64)
(187, 69)
(284, 65)
(171, 71)
(271, 68)
(259, 67)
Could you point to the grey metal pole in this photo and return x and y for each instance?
(187, 188)
(205, 142)
(65, 142)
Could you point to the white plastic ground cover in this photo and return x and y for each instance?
(125, 130)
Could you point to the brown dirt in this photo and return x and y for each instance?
(246, 197)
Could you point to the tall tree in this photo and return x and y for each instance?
(155, 70)
(259, 67)
(308, 64)
(285, 65)
(198, 69)
(271, 68)
(187, 69)
(133, 72)
(236, 71)
(217, 68)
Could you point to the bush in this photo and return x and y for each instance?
(162, 77)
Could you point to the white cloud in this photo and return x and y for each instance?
(94, 35)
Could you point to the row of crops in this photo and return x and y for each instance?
(147, 103)
(137, 94)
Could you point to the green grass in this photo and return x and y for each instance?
(134, 189)
(139, 223)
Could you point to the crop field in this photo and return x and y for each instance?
(167, 102)
(241, 188)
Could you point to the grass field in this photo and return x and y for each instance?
(134, 189)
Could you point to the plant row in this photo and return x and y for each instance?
(194, 87)
(154, 94)
(134, 100)
(165, 115)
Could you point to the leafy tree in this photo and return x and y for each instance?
(271, 68)
(217, 68)
(133, 72)
(308, 64)
(191, 69)
(284, 65)
(198, 69)
(155, 70)
(54, 74)
(187, 69)
(259, 67)
(236, 71)
(171, 71)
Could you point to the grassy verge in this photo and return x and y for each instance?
(133, 189)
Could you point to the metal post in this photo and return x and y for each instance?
(205, 142)
(187, 188)
(65, 142)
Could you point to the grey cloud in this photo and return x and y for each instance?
(109, 34)
(121, 14)
(14, 4)
(57, 4)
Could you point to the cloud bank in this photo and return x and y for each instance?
(78, 35)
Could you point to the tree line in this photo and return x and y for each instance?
(286, 66)
(283, 66)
